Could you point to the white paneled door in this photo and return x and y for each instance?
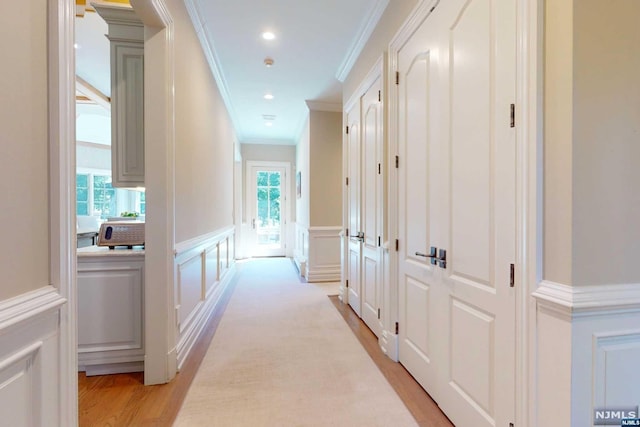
(371, 204)
(456, 213)
(364, 196)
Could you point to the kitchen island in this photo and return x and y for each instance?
(110, 310)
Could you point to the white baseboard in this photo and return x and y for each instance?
(301, 264)
(388, 343)
(324, 273)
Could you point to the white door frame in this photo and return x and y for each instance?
(249, 194)
(62, 200)
(528, 189)
(158, 364)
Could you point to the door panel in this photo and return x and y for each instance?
(418, 137)
(353, 197)
(480, 366)
(371, 200)
(457, 193)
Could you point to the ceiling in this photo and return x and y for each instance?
(315, 46)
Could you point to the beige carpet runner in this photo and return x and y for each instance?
(283, 356)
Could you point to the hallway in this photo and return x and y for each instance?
(282, 355)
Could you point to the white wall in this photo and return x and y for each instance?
(606, 142)
(204, 151)
(23, 148)
(325, 157)
(319, 209)
(558, 135)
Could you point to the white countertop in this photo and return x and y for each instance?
(101, 251)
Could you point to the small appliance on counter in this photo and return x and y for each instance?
(121, 233)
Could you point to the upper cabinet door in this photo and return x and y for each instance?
(126, 34)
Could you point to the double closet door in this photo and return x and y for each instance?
(364, 205)
(456, 208)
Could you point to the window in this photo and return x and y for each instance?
(104, 197)
(82, 194)
(95, 196)
(142, 203)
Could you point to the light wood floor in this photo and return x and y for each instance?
(123, 400)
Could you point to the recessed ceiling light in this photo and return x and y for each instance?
(76, 46)
(268, 124)
(268, 35)
(268, 97)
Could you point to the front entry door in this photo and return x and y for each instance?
(267, 210)
(457, 194)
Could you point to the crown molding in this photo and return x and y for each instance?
(211, 55)
(368, 25)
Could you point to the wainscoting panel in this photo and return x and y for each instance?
(29, 359)
(615, 384)
(190, 290)
(588, 347)
(204, 266)
(211, 270)
(323, 262)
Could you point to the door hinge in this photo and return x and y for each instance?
(397, 245)
(397, 328)
(512, 277)
(397, 77)
(397, 162)
(513, 115)
(379, 168)
(379, 96)
(347, 283)
(347, 180)
(378, 314)
(379, 241)
(347, 130)
(347, 232)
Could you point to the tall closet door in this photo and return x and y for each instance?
(371, 205)
(479, 367)
(457, 195)
(421, 136)
(354, 245)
